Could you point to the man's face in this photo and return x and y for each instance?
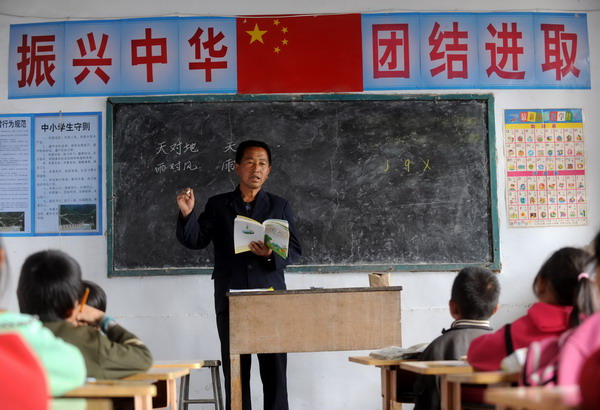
(254, 167)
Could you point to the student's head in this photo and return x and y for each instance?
(475, 294)
(50, 285)
(239, 154)
(563, 280)
(97, 296)
(557, 279)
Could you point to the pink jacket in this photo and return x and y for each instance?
(577, 348)
(542, 320)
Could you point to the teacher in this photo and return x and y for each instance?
(259, 268)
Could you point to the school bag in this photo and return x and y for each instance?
(541, 362)
(540, 367)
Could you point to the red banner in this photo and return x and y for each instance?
(293, 54)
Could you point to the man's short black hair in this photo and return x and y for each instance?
(97, 296)
(249, 144)
(476, 292)
(49, 285)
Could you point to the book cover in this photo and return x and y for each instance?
(275, 233)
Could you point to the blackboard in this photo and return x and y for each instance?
(376, 182)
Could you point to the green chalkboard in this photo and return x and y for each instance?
(376, 182)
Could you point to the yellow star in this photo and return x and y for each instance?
(256, 34)
(276, 50)
(284, 41)
(276, 22)
(284, 30)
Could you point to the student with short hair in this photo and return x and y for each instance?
(474, 299)
(62, 363)
(556, 287)
(96, 297)
(50, 286)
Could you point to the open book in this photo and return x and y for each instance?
(275, 233)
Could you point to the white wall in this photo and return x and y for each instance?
(174, 315)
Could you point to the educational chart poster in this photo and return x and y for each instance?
(545, 166)
(51, 174)
(15, 174)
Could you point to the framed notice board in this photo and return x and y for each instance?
(376, 182)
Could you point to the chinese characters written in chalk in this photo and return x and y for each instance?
(176, 150)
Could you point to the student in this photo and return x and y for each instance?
(582, 341)
(22, 378)
(588, 382)
(473, 300)
(96, 297)
(50, 286)
(555, 287)
(62, 363)
(93, 295)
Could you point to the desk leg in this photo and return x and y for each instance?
(142, 402)
(456, 399)
(385, 387)
(236, 382)
(172, 394)
(388, 386)
(446, 393)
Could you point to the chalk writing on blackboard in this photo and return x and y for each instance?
(375, 182)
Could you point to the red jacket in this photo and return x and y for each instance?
(542, 320)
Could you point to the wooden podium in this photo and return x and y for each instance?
(313, 320)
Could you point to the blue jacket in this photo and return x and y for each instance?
(244, 270)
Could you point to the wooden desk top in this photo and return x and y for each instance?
(368, 360)
(484, 377)
(540, 398)
(160, 373)
(314, 291)
(189, 364)
(437, 367)
(77, 403)
(112, 388)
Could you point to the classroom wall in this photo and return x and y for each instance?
(175, 315)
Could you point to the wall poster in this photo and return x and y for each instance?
(545, 167)
(51, 174)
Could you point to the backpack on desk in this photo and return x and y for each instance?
(540, 367)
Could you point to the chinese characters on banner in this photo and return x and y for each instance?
(545, 167)
(475, 50)
(278, 54)
(54, 174)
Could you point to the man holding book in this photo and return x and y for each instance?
(259, 267)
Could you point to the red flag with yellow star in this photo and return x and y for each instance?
(296, 54)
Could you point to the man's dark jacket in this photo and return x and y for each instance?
(244, 270)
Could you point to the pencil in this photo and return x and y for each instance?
(84, 299)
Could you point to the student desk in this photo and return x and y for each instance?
(169, 375)
(535, 398)
(391, 377)
(313, 320)
(141, 393)
(454, 382)
(184, 399)
(82, 404)
(442, 368)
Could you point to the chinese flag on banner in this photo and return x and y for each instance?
(296, 54)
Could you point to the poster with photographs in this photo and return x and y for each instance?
(545, 167)
(50, 174)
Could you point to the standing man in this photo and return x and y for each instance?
(260, 268)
